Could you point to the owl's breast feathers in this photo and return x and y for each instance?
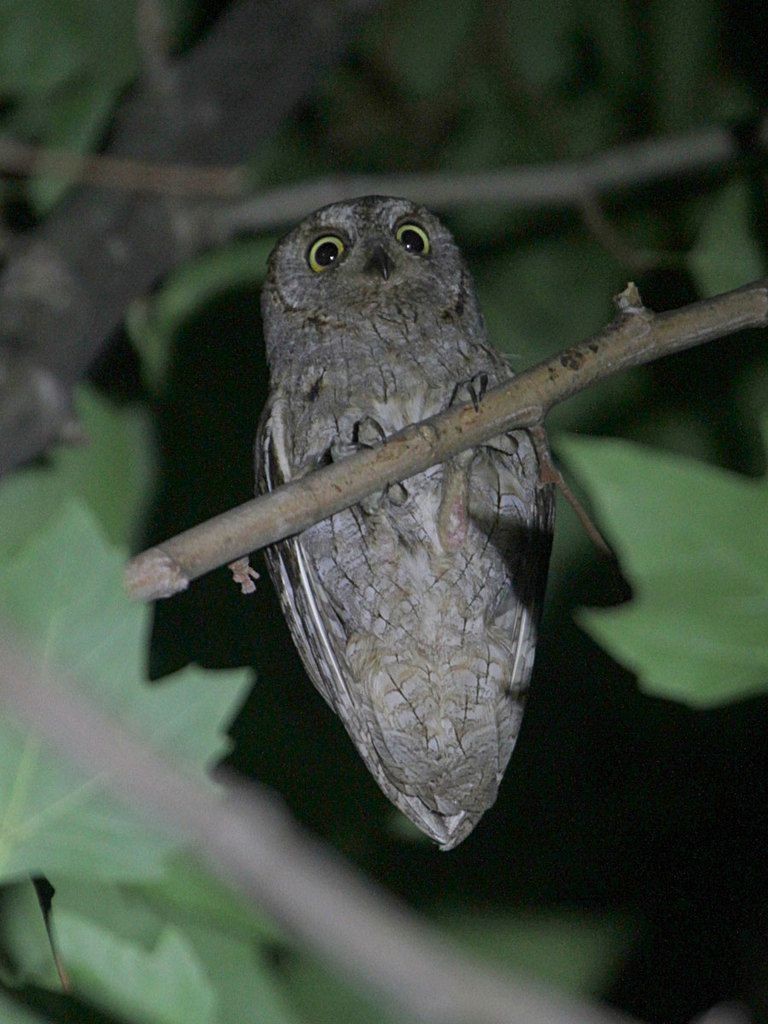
(416, 612)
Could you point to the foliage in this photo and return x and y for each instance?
(81, 621)
(697, 627)
(629, 830)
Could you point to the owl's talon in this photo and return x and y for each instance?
(368, 432)
(507, 444)
(472, 390)
(340, 450)
(397, 494)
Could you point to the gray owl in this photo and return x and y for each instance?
(415, 612)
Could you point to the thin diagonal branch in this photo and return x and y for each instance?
(123, 173)
(252, 843)
(635, 337)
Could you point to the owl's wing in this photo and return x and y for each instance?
(522, 520)
(319, 635)
(516, 514)
(298, 588)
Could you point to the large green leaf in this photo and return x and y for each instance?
(187, 893)
(571, 950)
(162, 985)
(247, 989)
(63, 593)
(692, 542)
(110, 472)
(110, 937)
(319, 995)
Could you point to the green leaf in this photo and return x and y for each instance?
(153, 323)
(63, 65)
(726, 254)
(40, 46)
(63, 593)
(186, 893)
(540, 297)
(683, 50)
(24, 939)
(72, 118)
(246, 988)
(690, 540)
(24, 942)
(228, 963)
(319, 995)
(574, 951)
(110, 472)
(163, 985)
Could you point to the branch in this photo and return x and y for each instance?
(67, 286)
(122, 173)
(635, 337)
(564, 183)
(250, 842)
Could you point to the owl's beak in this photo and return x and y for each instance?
(380, 262)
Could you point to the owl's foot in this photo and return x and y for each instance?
(453, 514)
(472, 390)
(368, 433)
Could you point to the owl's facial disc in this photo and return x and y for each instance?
(364, 257)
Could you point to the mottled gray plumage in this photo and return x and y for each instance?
(415, 613)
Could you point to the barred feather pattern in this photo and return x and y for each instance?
(415, 612)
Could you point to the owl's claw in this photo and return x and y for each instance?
(397, 494)
(472, 390)
(368, 432)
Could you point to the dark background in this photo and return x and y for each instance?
(616, 805)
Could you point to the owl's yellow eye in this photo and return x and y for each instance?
(413, 238)
(324, 252)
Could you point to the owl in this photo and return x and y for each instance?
(416, 611)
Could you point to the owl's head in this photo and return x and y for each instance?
(366, 255)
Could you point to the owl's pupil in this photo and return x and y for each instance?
(326, 253)
(412, 241)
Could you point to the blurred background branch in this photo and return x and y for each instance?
(251, 842)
